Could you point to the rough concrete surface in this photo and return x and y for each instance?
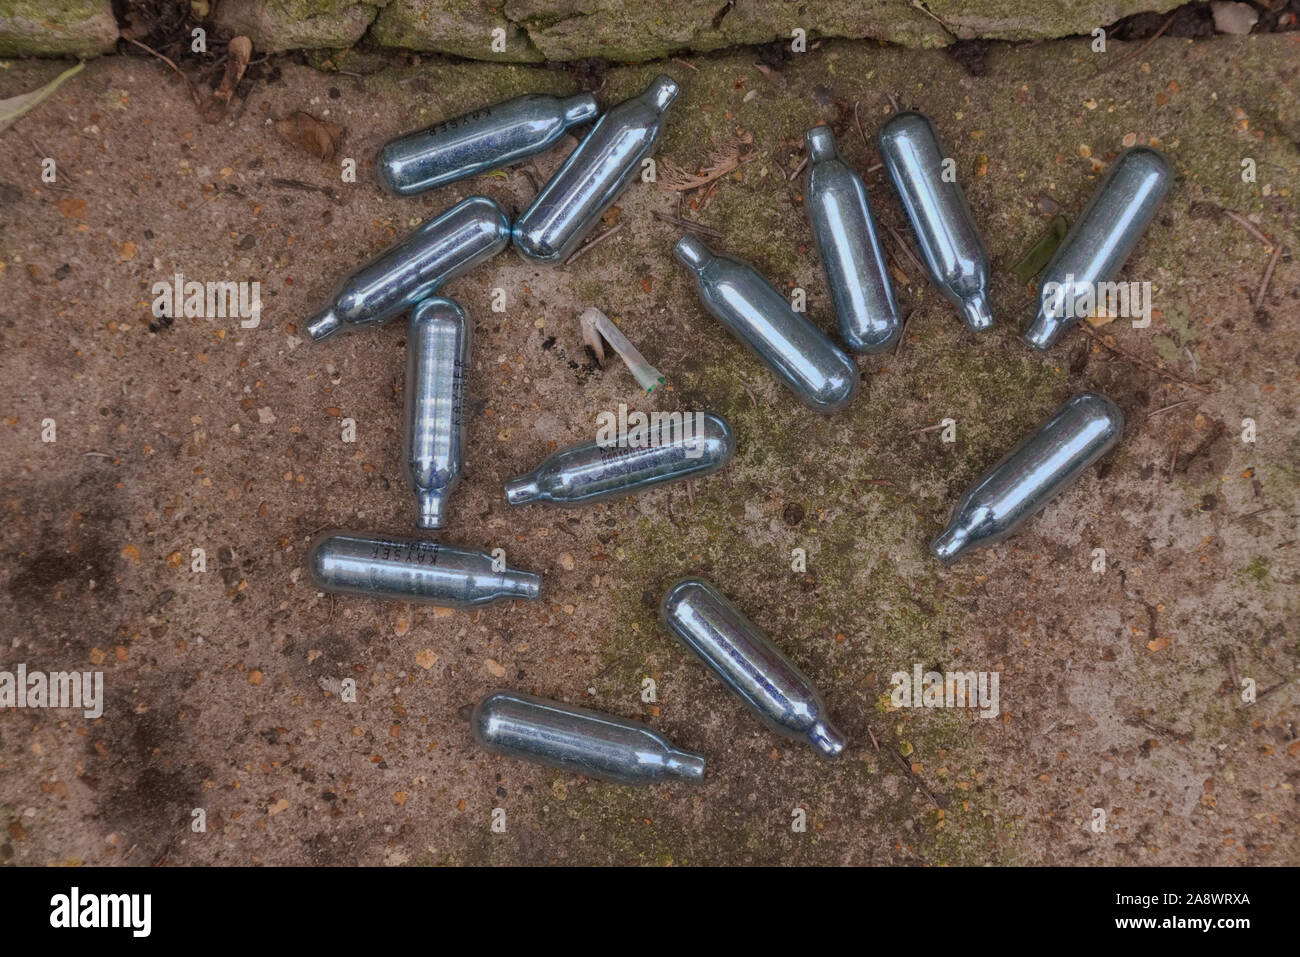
(536, 30)
(1119, 690)
(57, 27)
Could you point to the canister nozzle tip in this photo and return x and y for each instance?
(323, 324)
(521, 584)
(1043, 331)
(521, 490)
(827, 739)
(820, 142)
(977, 312)
(692, 252)
(663, 91)
(949, 545)
(433, 508)
(580, 109)
(683, 764)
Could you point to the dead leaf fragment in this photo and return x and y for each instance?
(237, 53)
(74, 207)
(773, 77)
(317, 137)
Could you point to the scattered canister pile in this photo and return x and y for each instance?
(405, 279)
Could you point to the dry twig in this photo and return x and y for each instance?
(595, 242)
(1168, 407)
(1249, 226)
(1140, 50)
(1268, 275)
(687, 224)
(193, 92)
(1138, 360)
